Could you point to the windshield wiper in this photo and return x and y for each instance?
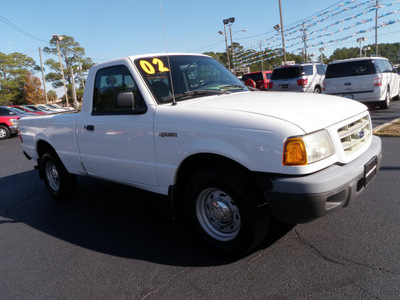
(238, 86)
(190, 94)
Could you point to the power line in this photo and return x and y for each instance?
(12, 25)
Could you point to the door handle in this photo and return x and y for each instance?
(89, 127)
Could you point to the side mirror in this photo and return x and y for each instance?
(129, 101)
(125, 100)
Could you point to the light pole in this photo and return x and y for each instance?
(226, 22)
(359, 40)
(321, 50)
(231, 20)
(365, 49)
(58, 38)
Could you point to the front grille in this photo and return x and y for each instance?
(355, 135)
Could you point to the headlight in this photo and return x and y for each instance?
(300, 151)
(14, 122)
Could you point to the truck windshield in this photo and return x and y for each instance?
(192, 76)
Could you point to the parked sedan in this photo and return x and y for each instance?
(18, 111)
(40, 108)
(27, 109)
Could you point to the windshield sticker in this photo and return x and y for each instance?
(150, 68)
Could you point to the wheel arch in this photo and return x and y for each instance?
(41, 148)
(318, 86)
(194, 164)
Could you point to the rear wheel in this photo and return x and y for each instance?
(59, 182)
(317, 90)
(4, 132)
(386, 103)
(227, 210)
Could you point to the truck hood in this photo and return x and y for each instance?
(310, 112)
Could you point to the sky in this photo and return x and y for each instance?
(113, 29)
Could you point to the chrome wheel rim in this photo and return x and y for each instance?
(3, 133)
(218, 214)
(52, 176)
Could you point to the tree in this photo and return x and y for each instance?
(72, 55)
(51, 96)
(32, 89)
(14, 69)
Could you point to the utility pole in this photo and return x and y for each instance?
(376, 28)
(44, 84)
(58, 38)
(283, 37)
(305, 42)
(262, 60)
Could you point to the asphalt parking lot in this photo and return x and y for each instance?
(116, 242)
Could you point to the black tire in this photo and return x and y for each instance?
(4, 132)
(226, 210)
(58, 181)
(386, 103)
(317, 90)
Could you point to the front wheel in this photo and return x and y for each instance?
(58, 181)
(227, 210)
(4, 132)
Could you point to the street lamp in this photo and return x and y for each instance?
(365, 49)
(321, 50)
(230, 48)
(359, 40)
(58, 38)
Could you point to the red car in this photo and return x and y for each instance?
(8, 124)
(259, 80)
(27, 109)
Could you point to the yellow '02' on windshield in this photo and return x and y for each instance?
(149, 68)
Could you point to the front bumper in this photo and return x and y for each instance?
(13, 129)
(300, 199)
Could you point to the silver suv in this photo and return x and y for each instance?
(368, 80)
(305, 77)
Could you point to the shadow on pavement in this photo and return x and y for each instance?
(110, 218)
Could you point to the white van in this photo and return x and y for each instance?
(370, 80)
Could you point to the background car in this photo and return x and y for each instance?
(40, 108)
(306, 77)
(57, 107)
(18, 111)
(370, 80)
(259, 80)
(9, 122)
(27, 109)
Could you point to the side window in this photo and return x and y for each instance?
(381, 66)
(388, 66)
(321, 70)
(109, 83)
(307, 70)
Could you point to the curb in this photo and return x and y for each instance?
(376, 129)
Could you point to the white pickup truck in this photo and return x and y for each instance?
(228, 158)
